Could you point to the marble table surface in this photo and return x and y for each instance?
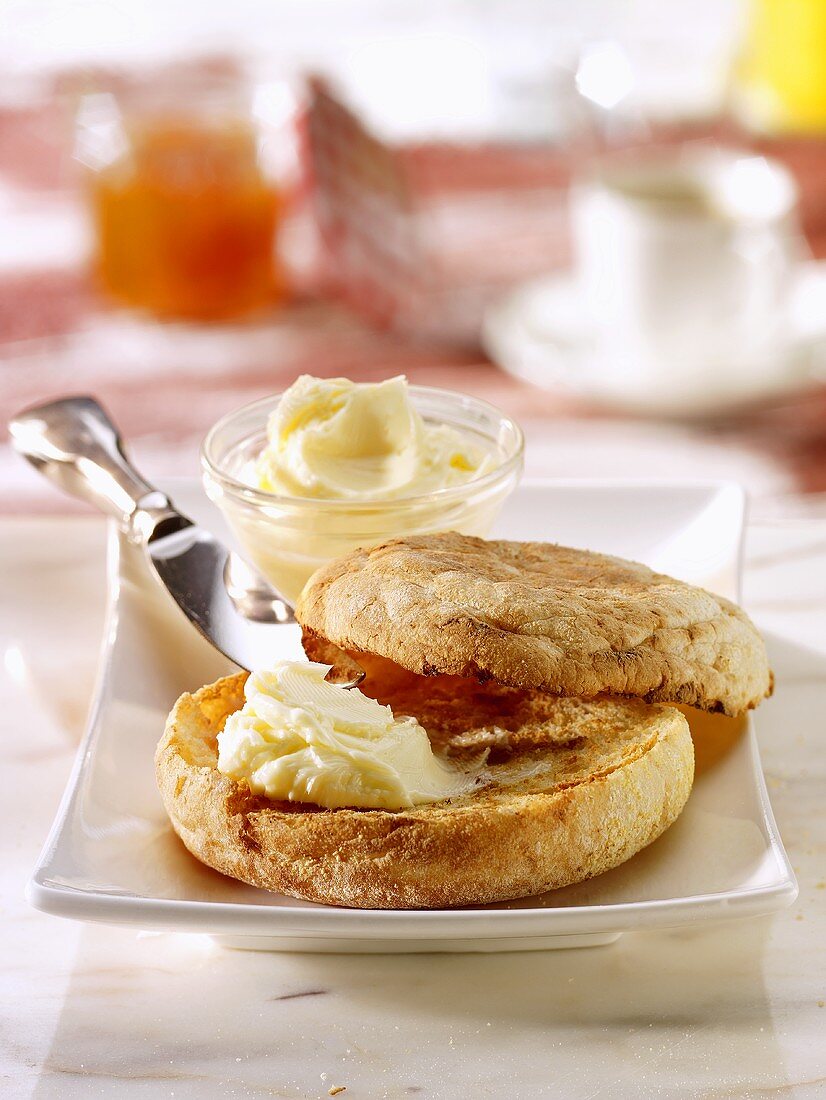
(88, 1010)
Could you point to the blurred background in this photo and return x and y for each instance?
(608, 218)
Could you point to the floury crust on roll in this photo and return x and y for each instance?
(539, 616)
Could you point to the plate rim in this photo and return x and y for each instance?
(220, 917)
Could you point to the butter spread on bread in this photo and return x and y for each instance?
(300, 739)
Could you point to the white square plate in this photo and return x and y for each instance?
(112, 855)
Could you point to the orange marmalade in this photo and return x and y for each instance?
(186, 219)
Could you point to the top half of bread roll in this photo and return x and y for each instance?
(537, 616)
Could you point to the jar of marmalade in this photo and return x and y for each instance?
(186, 187)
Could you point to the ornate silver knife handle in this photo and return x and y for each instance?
(73, 443)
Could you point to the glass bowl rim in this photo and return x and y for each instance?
(263, 498)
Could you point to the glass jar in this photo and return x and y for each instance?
(186, 190)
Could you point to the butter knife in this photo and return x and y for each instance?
(73, 442)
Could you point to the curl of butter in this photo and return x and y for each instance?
(301, 739)
(333, 439)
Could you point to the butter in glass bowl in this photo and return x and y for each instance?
(329, 465)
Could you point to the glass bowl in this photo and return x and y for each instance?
(288, 538)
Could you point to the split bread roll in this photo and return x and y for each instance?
(566, 789)
(540, 671)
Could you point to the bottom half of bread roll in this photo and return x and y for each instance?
(565, 789)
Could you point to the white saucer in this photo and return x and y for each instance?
(540, 334)
(112, 855)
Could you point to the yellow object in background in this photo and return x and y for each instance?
(780, 80)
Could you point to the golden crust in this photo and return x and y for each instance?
(572, 788)
(539, 616)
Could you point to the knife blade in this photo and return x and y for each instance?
(190, 563)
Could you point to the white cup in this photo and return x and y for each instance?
(684, 266)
